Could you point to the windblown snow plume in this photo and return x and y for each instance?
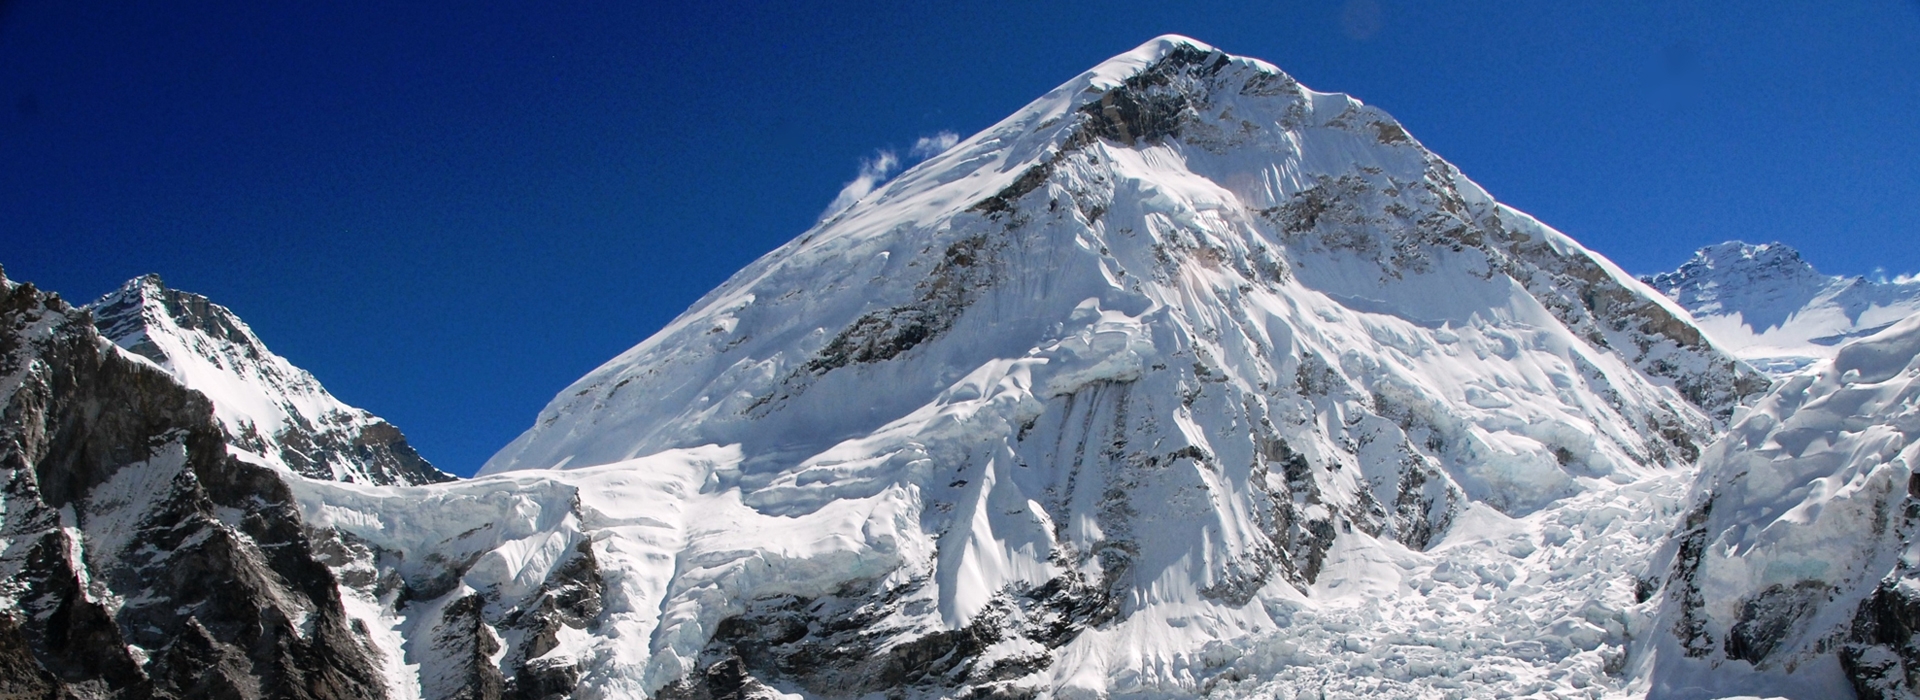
(873, 172)
(930, 146)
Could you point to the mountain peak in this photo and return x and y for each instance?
(1744, 256)
(144, 305)
(273, 412)
(1773, 308)
(1180, 335)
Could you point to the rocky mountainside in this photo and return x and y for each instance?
(1183, 377)
(138, 557)
(1773, 309)
(273, 413)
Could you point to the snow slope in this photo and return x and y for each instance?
(1793, 572)
(1775, 310)
(1181, 377)
(274, 413)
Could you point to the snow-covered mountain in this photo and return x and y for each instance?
(139, 558)
(1183, 377)
(274, 413)
(1794, 570)
(1775, 310)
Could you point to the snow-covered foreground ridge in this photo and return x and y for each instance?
(1183, 378)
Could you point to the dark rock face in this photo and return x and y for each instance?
(1882, 654)
(462, 651)
(344, 443)
(570, 597)
(882, 335)
(842, 646)
(1682, 586)
(142, 560)
(1153, 104)
(1774, 615)
(955, 282)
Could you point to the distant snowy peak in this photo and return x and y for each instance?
(273, 412)
(1764, 282)
(1772, 307)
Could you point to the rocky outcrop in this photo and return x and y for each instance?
(1881, 654)
(141, 559)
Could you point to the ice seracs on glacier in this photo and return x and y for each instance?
(1183, 378)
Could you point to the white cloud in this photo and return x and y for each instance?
(873, 172)
(930, 146)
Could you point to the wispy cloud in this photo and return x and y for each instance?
(875, 171)
(930, 146)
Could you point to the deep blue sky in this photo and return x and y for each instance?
(449, 215)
